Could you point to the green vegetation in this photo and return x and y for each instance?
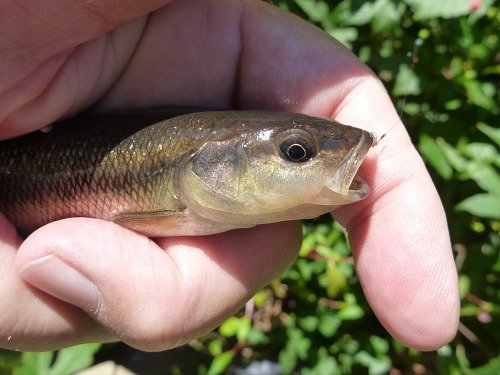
(315, 319)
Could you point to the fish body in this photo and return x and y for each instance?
(192, 174)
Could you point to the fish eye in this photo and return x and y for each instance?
(297, 148)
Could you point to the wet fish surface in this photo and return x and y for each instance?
(163, 173)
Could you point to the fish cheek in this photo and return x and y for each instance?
(212, 177)
(281, 184)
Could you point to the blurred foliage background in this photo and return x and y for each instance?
(315, 319)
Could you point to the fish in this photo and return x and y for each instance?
(167, 173)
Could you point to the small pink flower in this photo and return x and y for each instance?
(484, 317)
(474, 5)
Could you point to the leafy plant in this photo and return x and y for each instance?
(64, 362)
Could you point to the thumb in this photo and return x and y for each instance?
(154, 294)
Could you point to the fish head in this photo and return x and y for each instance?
(291, 165)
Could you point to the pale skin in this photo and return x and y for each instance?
(57, 58)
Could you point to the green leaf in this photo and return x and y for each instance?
(287, 359)
(9, 360)
(307, 246)
(220, 363)
(453, 104)
(493, 70)
(463, 285)
(457, 161)
(324, 365)
(493, 133)
(345, 35)
(309, 323)
(260, 298)
(412, 109)
(34, 363)
(445, 351)
(491, 368)
(379, 345)
(309, 269)
(234, 326)
(478, 94)
(68, 361)
(407, 82)
(485, 176)
(244, 329)
(483, 152)
(336, 281)
(230, 327)
(350, 312)
(435, 156)
(366, 12)
(72, 359)
(380, 366)
(315, 10)
(387, 16)
(427, 9)
(383, 14)
(300, 343)
(341, 13)
(483, 205)
(328, 325)
(376, 366)
(215, 347)
(257, 338)
(462, 359)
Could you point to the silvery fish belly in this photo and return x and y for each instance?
(191, 174)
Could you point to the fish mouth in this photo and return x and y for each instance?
(359, 189)
(346, 186)
(345, 179)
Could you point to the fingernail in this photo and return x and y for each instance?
(60, 280)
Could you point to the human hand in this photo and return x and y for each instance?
(96, 281)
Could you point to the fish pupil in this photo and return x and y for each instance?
(296, 152)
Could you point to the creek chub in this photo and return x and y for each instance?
(164, 173)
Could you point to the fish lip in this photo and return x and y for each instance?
(359, 189)
(358, 153)
(343, 178)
